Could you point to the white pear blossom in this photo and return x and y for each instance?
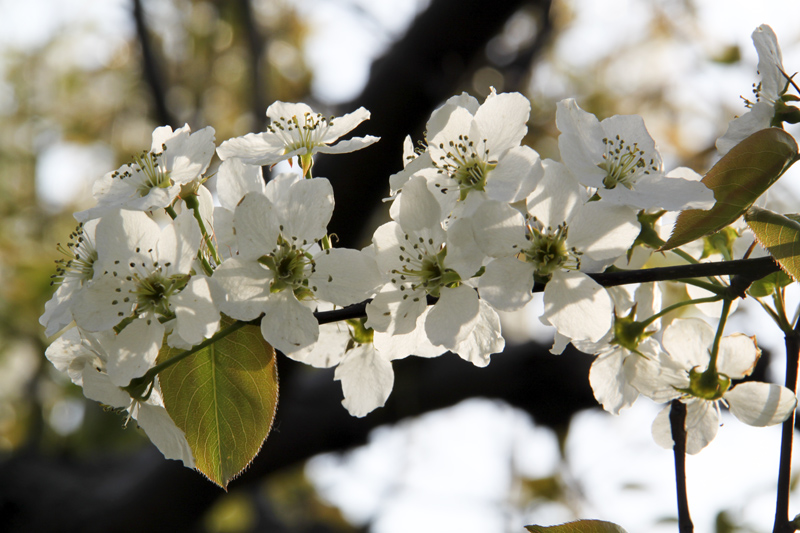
(86, 356)
(683, 375)
(280, 271)
(146, 273)
(417, 264)
(561, 237)
(176, 159)
(628, 347)
(296, 130)
(618, 159)
(72, 276)
(768, 93)
(476, 148)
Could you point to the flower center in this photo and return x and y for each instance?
(82, 254)
(153, 292)
(295, 133)
(465, 165)
(146, 173)
(707, 385)
(288, 265)
(423, 268)
(548, 250)
(624, 163)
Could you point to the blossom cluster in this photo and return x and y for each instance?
(477, 218)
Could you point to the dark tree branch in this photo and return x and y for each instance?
(781, 524)
(150, 68)
(415, 75)
(255, 47)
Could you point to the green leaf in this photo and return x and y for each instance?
(780, 235)
(579, 526)
(223, 398)
(738, 179)
(767, 285)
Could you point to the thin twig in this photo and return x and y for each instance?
(677, 422)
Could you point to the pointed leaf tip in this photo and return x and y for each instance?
(579, 526)
(780, 235)
(224, 398)
(738, 179)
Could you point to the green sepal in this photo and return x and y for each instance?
(224, 399)
(767, 285)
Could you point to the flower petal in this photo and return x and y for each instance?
(367, 380)
(760, 404)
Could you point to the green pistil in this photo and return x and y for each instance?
(153, 293)
(472, 176)
(288, 265)
(426, 269)
(548, 250)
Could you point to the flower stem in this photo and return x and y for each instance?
(194, 205)
(678, 305)
(782, 524)
(723, 318)
(677, 421)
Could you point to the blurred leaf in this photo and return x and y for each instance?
(579, 526)
(768, 284)
(779, 235)
(224, 398)
(738, 179)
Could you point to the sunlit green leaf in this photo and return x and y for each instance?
(224, 399)
(738, 179)
(767, 285)
(780, 235)
(579, 526)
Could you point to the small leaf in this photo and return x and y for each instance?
(738, 179)
(780, 235)
(767, 285)
(579, 526)
(224, 399)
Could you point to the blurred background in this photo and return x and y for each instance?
(84, 82)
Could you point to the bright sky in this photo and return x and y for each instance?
(451, 470)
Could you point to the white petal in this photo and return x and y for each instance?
(257, 149)
(255, 226)
(738, 355)
(515, 176)
(162, 431)
(344, 124)
(97, 386)
(609, 380)
(135, 350)
(557, 197)
(306, 210)
(577, 306)
(343, 276)
(347, 146)
(195, 310)
(760, 404)
(483, 339)
(417, 207)
(581, 142)
(499, 229)
(415, 342)
(395, 312)
(702, 425)
(102, 305)
(246, 284)
(453, 316)
(367, 380)
(770, 62)
(235, 178)
(603, 232)
(502, 120)
(506, 284)
(463, 254)
(329, 350)
(687, 340)
(177, 247)
(288, 325)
